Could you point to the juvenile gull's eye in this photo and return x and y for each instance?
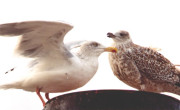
(122, 34)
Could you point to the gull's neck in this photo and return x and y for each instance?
(124, 44)
(89, 62)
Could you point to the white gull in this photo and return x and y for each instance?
(52, 65)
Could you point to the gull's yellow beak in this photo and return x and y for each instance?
(111, 49)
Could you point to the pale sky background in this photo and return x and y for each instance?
(150, 23)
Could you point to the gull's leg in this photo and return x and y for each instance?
(38, 93)
(47, 96)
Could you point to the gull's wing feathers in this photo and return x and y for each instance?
(39, 38)
(154, 65)
(74, 44)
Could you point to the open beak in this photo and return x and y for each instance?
(110, 35)
(111, 49)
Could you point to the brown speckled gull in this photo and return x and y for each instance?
(142, 68)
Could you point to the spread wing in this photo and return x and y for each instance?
(154, 65)
(38, 38)
(74, 44)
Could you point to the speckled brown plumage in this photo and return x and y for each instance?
(142, 68)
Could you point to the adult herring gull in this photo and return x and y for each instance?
(52, 66)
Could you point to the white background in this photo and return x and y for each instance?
(150, 23)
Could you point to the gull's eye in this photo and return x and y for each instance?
(122, 34)
(95, 44)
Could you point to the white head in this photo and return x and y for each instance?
(94, 49)
(120, 37)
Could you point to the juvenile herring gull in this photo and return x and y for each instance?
(52, 66)
(142, 68)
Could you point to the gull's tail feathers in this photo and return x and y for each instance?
(10, 86)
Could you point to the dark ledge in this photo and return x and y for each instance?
(113, 100)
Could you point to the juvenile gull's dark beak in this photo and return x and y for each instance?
(110, 35)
